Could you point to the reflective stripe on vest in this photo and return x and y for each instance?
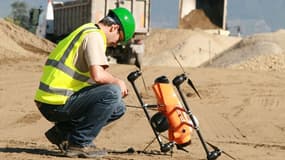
(61, 78)
(59, 91)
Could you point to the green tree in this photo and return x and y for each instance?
(19, 14)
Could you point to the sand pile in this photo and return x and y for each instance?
(258, 52)
(18, 42)
(196, 48)
(196, 19)
(191, 47)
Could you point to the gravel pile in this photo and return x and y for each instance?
(265, 52)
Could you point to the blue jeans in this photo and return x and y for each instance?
(86, 112)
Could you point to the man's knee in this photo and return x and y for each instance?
(108, 94)
(114, 91)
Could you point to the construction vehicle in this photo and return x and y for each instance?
(62, 17)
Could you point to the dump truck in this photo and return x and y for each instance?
(62, 17)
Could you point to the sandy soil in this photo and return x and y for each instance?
(241, 110)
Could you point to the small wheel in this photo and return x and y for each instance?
(159, 122)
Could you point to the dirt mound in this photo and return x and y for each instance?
(273, 62)
(196, 48)
(196, 19)
(191, 47)
(258, 52)
(17, 42)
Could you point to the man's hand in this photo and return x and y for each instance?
(123, 87)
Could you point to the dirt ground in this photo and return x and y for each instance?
(241, 110)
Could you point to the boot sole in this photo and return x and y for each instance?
(61, 146)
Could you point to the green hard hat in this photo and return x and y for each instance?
(127, 21)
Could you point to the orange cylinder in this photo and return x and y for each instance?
(180, 126)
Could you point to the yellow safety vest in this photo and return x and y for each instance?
(60, 77)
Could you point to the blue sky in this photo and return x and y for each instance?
(252, 15)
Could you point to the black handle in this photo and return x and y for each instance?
(134, 75)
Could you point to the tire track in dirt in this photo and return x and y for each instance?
(216, 123)
(217, 127)
(255, 145)
(233, 123)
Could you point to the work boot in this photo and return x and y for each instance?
(91, 151)
(57, 137)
